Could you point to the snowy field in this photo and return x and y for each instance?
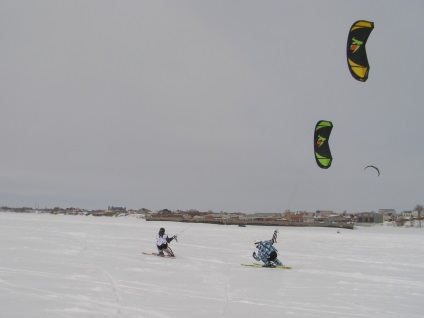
(77, 266)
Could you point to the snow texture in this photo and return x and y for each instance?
(76, 266)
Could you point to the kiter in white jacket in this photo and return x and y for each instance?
(162, 241)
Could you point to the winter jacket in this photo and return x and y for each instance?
(163, 240)
(265, 248)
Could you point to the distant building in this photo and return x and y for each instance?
(116, 208)
(165, 211)
(407, 215)
(323, 213)
(369, 217)
(294, 217)
(308, 218)
(267, 215)
(388, 214)
(387, 211)
(337, 218)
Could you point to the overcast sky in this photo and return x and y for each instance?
(209, 105)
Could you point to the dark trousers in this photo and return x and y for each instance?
(272, 256)
(162, 247)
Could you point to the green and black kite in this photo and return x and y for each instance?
(357, 60)
(322, 149)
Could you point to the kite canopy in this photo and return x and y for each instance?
(378, 170)
(322, 149)
(357, 60)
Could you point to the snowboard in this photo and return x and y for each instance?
(260, 266)
(156, 254)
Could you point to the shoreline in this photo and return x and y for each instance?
(243, 223)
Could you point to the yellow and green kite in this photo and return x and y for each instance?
(357, 60)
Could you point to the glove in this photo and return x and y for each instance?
(175, 238)
(254, 255)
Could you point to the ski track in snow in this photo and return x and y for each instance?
(74, 266)
(115, 291)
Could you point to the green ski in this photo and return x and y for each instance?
(260, 265)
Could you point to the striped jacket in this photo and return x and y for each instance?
(265, 248)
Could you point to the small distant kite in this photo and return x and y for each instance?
(322, 149)
(378, 170)
(357, 60)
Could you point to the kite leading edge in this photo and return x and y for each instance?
(378, 170)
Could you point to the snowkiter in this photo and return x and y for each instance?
(162, 241)
(267, 253)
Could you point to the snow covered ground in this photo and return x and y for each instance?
(77, 266)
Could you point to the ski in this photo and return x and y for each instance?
(156, 254)
(260, 265)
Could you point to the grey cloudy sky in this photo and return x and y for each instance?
(208, 105)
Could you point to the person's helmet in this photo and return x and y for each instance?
(162, 231)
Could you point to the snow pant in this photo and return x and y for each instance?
(272, 257)
(165, 248)
(162, 247)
